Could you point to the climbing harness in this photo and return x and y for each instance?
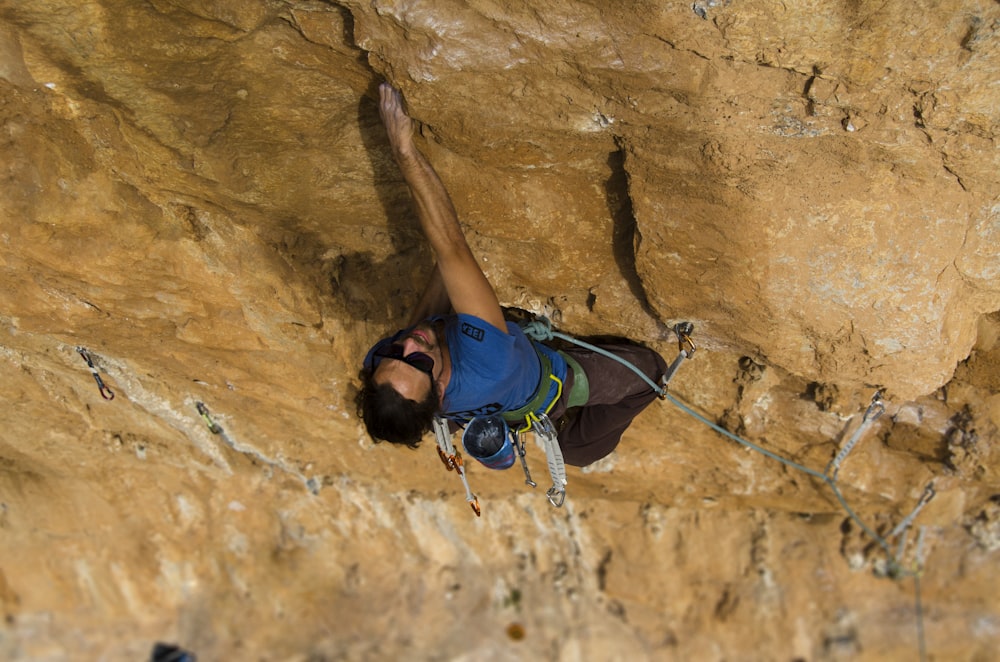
(540, 329)
(533, 417)
(106, 392)
(213, 427)
(543, 399)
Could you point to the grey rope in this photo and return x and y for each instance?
(541, 329)
(812, 472)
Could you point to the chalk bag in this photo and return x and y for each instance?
(171, 653)
(487, 438)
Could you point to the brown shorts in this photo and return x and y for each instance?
(617, 395)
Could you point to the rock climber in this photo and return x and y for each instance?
(461, 359)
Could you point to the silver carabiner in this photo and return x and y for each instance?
(521, 452)
(876, 408)
(106, 392)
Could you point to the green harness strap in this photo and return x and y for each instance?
(578, 395)
(518, 416)
(580, 392)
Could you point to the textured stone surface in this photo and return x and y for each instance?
(200, 194)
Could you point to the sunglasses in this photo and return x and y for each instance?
(388, 349)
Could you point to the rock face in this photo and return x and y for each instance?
(199, 195)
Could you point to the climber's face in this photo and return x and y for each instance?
(411, 362)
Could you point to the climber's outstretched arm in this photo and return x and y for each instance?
(464, 282)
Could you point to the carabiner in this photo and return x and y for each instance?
(448, 460)
(521, 452)
(213, 427)
(876, 408)
(106, 392)
(684, 331)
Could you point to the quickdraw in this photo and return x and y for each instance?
(685, 350)
(925, 499)
(518, 442)
(213, 427)
(452, 460)
(546, 432)
(872, 414)
(106, 392)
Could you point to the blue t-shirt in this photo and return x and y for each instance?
(492, 371)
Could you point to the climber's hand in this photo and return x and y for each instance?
(398, 124)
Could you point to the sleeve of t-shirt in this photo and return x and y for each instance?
(482, 343)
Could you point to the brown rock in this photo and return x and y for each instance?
(201, 195)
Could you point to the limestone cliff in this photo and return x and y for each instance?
(199, 196)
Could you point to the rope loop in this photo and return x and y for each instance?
(539, 328)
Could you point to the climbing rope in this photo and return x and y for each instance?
(541, 329)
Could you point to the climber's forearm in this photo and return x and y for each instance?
(463, 280)
(434, 208)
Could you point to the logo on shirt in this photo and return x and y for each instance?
(466, 416)
(473, 332)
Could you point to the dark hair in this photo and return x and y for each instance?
(390, 417)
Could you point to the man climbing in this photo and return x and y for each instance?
(461, 359)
